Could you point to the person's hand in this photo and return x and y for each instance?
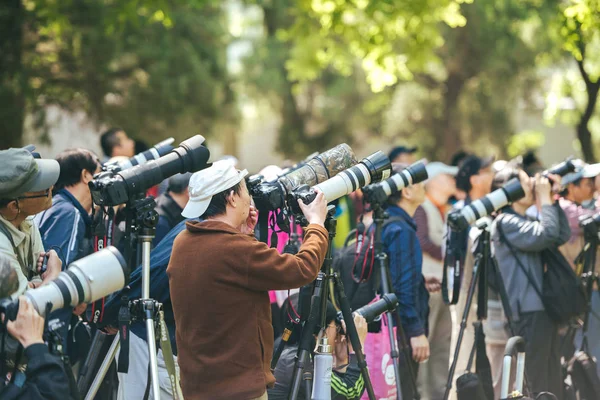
(361, 327)
(543, 189)
(250, 224)
(420, 348)
(432, 283)
(54, 266)
(316, 211)
(28, 328)
(111, 330)
(555, 181)
(80, 309)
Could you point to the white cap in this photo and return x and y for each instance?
(591, 170)
(220, 176)
(437, 168)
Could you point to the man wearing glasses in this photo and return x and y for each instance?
(25, 190)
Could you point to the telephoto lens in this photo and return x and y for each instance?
(272, 195)
(153, 153)
(86, 280)
(110, 189)
(510, 192)
(373, 168)
(379, 192)
(370, 312)
(561, 169)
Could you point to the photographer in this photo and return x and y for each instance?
(518, 243)
(406, 260)
(219, 278)
(25, 190)
(45, 377)
(66, 225)
(346, 380)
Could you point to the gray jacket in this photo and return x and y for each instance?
(528, 238)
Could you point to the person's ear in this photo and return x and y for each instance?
(86, 176)
(231, 199)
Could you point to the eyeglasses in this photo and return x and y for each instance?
(35, 196)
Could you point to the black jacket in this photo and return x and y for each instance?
(46, 378)
(348, 385)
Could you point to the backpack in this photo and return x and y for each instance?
(562, 291)
(356, 265)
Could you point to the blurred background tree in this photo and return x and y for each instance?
(443, 74)
(153, 67)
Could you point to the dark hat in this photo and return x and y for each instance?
(21, 173)
(469, 167)
(179, 182)
(396, 151)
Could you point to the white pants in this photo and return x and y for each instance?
(132, 385)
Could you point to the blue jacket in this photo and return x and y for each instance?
(159, 286)
(402, 245)
(65, 227)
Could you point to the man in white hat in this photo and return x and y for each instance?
(25, 190)
(219, 278)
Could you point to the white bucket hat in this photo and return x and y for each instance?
(204, 184)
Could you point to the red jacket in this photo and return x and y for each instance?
(219, 279)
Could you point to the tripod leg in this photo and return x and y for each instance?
(394, 353)
(306, 340)
(463, 324)
(110, 356)
(406, 351)
(152, 354)
(351, 331)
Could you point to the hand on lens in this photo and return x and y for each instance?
(28, 328)
(361, 327)
(316, 211)
(543, 189)
(54, 267)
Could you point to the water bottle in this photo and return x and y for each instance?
(322, 376)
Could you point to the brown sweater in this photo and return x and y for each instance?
(219, 280)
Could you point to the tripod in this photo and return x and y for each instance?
(317, 311)
(479, 274)
(141, 227)
(379, 217)
(483, 263)
(587, 257)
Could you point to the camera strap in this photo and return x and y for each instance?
(167, 350)
(456, 250)
(124, 321)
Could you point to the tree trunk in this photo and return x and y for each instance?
(583, 131)
(449, 125)
(12, 76)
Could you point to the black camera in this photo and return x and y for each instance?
(110, 188)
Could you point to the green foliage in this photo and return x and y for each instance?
(154, 67)
(389, 39)
(524, 141)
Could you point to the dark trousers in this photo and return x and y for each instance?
(542, 352)
(406, 380)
